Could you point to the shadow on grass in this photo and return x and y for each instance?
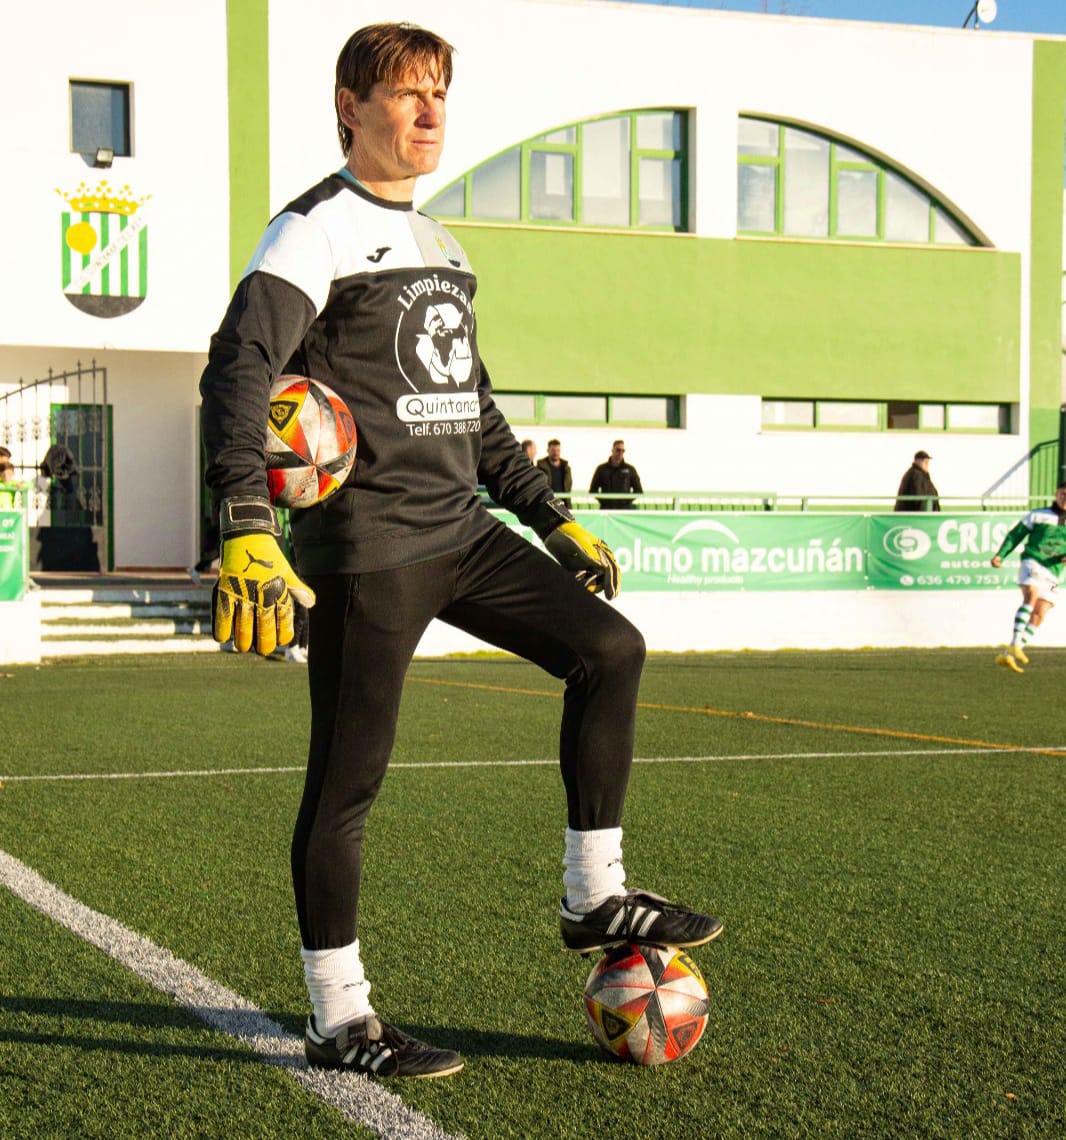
(143, 1015)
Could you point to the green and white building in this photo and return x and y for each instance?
(776, 255)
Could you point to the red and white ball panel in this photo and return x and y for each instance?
(311, 442)
(646, 1004)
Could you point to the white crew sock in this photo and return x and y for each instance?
(337, 987)
(594, 870)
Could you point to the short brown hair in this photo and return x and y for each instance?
(383, 53)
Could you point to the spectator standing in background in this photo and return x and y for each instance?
(530, 448)
(917, 492)
(7, 476)
(557, 469)
(616, 477)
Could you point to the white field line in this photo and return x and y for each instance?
(358, 1098)
(770, 756)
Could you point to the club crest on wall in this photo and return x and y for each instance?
(104, 236)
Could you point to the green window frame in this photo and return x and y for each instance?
(589, 409)
(650, 167)
(895, 210)
(811, 414)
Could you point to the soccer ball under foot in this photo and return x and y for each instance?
(646, 1004)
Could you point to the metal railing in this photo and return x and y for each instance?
(775, 501)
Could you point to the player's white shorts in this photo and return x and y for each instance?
(1040, 579)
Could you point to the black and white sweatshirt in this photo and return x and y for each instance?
(375, 300)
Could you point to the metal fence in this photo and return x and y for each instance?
(773, 501)
(58, 430)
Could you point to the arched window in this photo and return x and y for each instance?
(797, 182)
(627, 170)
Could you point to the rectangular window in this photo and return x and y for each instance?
(100, 117)
(756, 198)
(659, 131)
(974, 417)
(890, 415)
(788, 413)
(575, 409)
(902, 415)
(660, 192)
(833, 413)
(589, 408)
(551, 186)
(605, 173)
(856, 203)
(496, 187)
(517, 407)
(655, 411)
(627, 170)
(806, 184)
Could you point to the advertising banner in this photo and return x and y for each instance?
(12, 555)
(938, 552)
(682, 551)
(679, 551)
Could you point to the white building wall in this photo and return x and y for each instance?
(878, 619)
(952, 106)
(944, 103)
(175, 59)
(724, 449)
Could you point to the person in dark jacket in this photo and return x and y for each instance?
(557, 469)
(353, 286)
(616, 477)
(917, 491)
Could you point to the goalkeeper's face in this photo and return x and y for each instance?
(398, 130)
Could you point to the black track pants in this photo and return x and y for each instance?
(364, 631)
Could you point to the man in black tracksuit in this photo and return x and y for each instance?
(352, 286)
(616, 477)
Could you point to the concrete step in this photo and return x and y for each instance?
(152, 595)
(125, 617)
(161, 627)
(118, 611)
(99, 647)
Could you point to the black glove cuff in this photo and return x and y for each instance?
(547, 516)
(247, 514)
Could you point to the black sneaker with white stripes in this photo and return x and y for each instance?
(636, 916)
(374, 1047)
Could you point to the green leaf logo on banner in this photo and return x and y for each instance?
(907, 542)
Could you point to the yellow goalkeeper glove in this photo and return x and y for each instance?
(252, 600)
(587, 557)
